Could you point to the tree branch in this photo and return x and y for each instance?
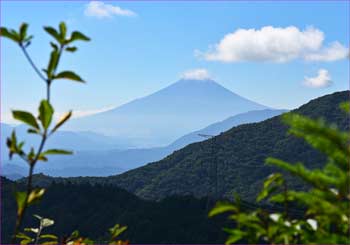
(32, 63)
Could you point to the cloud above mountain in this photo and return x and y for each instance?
(196, 74)
(103, 10)
(274, 44)
(321, 80)
(335, 51)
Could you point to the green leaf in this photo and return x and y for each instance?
(54, 46)
(117, 230)
(71, 49)
(33, 131)
(69, 75)
(235, 235)
(45, 113)
(25, 239)
(34, 230)
(38, 216)
(27, 39)
(56, 152)
(62, 120)
(78, 36)
(26, 117)
(63, 30)
(4, 32)
(12, 145)
(23, 31)
(23, 236)
(49, 243)
(222, 207)
(35, 195)
(31, 154)
(42, 158)
(52, 63)
(45, 222)
(50, 30)
(20, 197)
(48, 236)
(276, 179)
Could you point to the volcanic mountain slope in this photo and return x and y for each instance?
(164, 116)
(240, 154)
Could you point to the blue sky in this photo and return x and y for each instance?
(140, 47)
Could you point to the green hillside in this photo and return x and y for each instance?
(240, 154)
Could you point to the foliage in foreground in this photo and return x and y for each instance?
(41, 125)
(325, 205)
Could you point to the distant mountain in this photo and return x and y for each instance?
(87, 142)
(240, 154)
(13, 171)
(110, 162)
(164, 116)
(64, 139)
(220, 127)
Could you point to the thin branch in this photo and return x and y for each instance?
(32, 63)
(29, 186)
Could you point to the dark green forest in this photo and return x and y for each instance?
(93, 209)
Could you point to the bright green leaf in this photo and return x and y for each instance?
(20, 200)
(26, 117)
(50, 30)
(48, 236)
(71, 49)
(63, 30)
(62, 120)
(23, 31)
(45, 113)
(57, 152)
(117, 230)
(222, 207)
(69, 75)
(35, 195)
(4, 32)
(33, 131)
(52, 63)
(78, 36)
(54, 46)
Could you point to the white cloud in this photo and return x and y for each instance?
(6, 117)
(102, 10)
(273, 44)
(335, 51)
(84, 113)
(323, 79)
(196, 74)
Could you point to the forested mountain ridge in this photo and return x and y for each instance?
(239, 152)
(94, 209)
